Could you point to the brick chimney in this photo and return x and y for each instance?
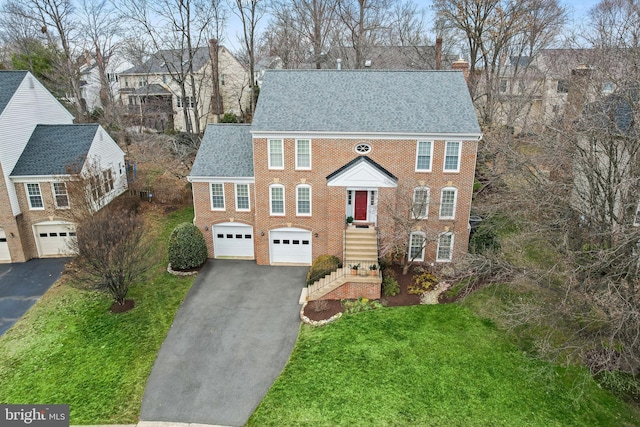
(217, 106)
(580, 90)
(461, 64)
(438, 53)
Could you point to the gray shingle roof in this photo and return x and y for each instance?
(163, 60)
(9, 83)
(365, 101)
(226, 151)
(54, 149)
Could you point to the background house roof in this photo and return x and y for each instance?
(54, 149)
(170, 59)
(9, 83)
(365, 101)
(226, 151)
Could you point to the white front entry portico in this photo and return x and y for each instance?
(362, 177)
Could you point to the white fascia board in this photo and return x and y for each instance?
(40, 178)
(366, 135)
(221, 179)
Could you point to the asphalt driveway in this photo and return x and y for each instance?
(22, 284)
(229, 341)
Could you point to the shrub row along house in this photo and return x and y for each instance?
(41, 151)
(326, 145)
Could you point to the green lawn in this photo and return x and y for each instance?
(429, 365)
(69, 349)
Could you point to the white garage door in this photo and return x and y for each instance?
(53, 239)
(290, 245)
(4, 247)
(231, 240)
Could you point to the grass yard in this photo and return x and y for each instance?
(69, 349)
(429, 366)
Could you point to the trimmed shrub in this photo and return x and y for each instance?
(323, 265)
(390, 286)
(228, 118)
(187, 247)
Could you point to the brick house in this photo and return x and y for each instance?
(326, 145)
(40, 150)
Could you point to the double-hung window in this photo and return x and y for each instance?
(416, 246)
(445, 247)
(60, 195)
(420, 208)
(217, 196)
(242, 197)
(423, 156)
(34, 196)
(276, 154)
(276, 200)
(303, 202)
(452, 156)
(448, 203)
(303, 154)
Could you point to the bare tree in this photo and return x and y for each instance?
(177, 30)
(407, 234)
(58, 23)
(112, 261)
(250, 13)
(101, 27)
(499, 33)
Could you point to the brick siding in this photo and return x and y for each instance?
(354, 290)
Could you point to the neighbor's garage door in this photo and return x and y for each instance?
(4, 247)
(53, 239)
(233, 240)
(290, 245)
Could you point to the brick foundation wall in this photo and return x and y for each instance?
(354, 290)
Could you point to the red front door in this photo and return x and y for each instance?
(361, 206)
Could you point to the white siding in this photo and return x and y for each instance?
(32, 104)
(109, 155)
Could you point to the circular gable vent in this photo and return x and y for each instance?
(363, 148)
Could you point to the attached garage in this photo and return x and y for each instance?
(5, 256)
(233, 240)
(290, 246)
(53, 238)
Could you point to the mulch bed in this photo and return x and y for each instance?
(324, 309)
(122, 308)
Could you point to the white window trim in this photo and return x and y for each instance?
(426, 213)
(55, 198)
(438, 259)
(271, 187)
(26, 189)
(444, 161)
(455, 202)
(248, 198)
(224, 202)
(424, 237)
(298, 213)
(298, 167)
(431, 143)
(281, 153)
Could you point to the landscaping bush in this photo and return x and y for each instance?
(390, 286)
(360, 304)
(323, 265)
(187, 248)
(422, 283)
